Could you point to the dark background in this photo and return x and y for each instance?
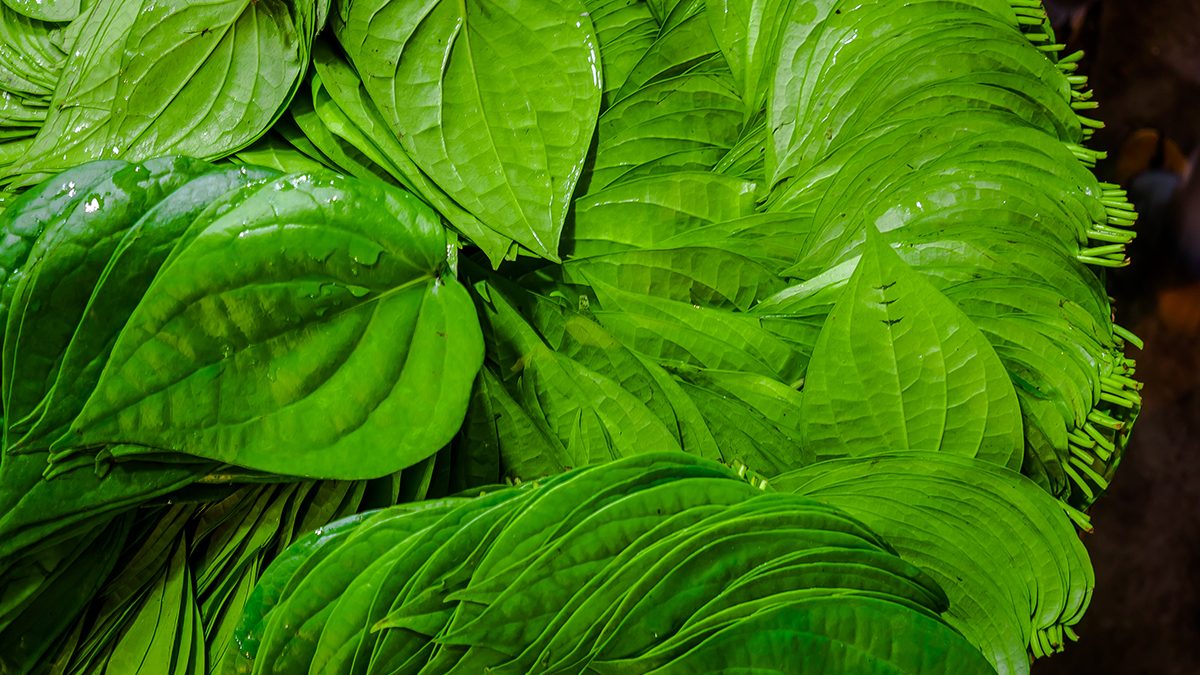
(1143, 59)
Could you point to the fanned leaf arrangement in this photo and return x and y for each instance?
(140, 79)
(605, 336)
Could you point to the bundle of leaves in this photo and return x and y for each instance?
(664, 562)
(429, 249)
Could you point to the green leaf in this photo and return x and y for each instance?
(755, 418)
(838, 634)
(624, 31)
(70, 256)
(678, 47)
(495, 101)
(362, 365)
(681, 334)
(31, 62)
(46, 10)
(700, 275)
(1004, 551)
(166, 636)
(748, 32)
(646, 212)
(37, 512)
(593, 399)
(641, 135)
(149, 78)
(274, 152)
(91, 269)
(898, 366)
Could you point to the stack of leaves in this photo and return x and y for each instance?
(661, 562)
(789, 236)
(1007, 556)
(33, 44)
(718, 291)
(175, 321)
(188, 566)
(118, 79)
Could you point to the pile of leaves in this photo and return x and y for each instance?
(313, 312)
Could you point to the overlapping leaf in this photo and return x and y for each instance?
(898, 366)
(345, 268)
(560, 573)
(1017, 575)
(494, 101)
(145, 79)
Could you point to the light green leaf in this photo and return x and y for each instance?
(682, 334)
(642, 134)
(46, 10)
(31, 61)
(676, 49)
(590, 395)
(624, 30)
(350, 114)
(646, 212)
(899, 366)
(1005, 552)
(748, 32)
(703, 276)
(494, 99)
(154, 77)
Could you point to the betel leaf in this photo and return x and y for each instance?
(26, 218)
(1004, 551)
(37, 512)
(64, 582)
(680, 45)
(641, 134)
(810, 635)
(46, 10)
(495, 100)
(29, 66)
(748, 33)
(166, 635)
(349, 114)
(589, 403)
(154, 77)
(646, 212)
(624, 30)
(898, 366)
(51, 297)
(312, 330)
(85, 275)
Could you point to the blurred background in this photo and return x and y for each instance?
(1143, 60)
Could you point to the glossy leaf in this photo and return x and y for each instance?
(624, 31)
(1005, 551)
(898, 366)
(495, 101)
(46, 10)
(90, 269)
(49, 295)
(361, 366)
(150, 78)
(748, 33)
